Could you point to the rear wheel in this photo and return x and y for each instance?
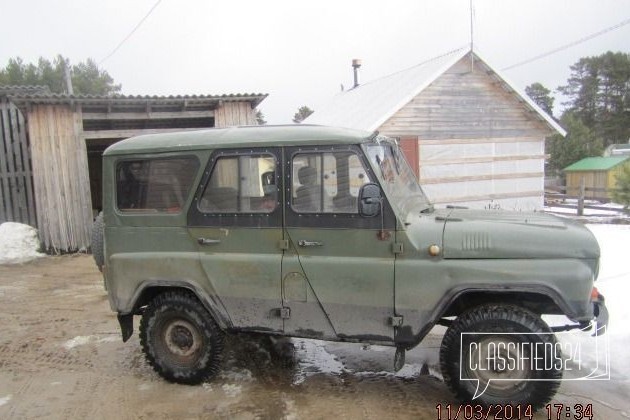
(180, 340)
(98, 232)
(507, 348)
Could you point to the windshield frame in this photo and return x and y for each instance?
(398, 181)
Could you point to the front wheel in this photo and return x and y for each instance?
(507, 348)
(180, 339)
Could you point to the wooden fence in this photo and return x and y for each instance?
(557, 196)
(17, 203)
(61, 177)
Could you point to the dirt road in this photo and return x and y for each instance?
(61, 356)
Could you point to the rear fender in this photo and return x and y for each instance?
(148, 290)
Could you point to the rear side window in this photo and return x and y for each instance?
(154, 185)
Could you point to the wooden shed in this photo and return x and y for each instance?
(50, 159)
(472, 136)
(598, 174)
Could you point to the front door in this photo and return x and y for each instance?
(236, 220)
(344, 282)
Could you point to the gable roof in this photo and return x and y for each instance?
(371, 104)
(596, 164)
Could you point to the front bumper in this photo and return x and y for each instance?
(598, 324)
(601, 315)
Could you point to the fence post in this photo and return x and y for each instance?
(581, 197)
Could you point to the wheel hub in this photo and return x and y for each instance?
(182, 338)
(491, 355)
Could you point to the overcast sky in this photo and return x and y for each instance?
(300, 52)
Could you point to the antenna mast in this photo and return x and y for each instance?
(472, 58)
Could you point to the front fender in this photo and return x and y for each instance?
(426, 288)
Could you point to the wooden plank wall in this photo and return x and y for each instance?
(461, 104)
(231, 114)
(61, 177)
(597, 180)
(16, 179)
(477, 140)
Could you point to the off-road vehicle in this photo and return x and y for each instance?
(324, 233)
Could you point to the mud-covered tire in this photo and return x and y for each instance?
(98, 233)
(525, 386)
(180, 339)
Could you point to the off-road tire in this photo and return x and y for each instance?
(180, 339)
(98, 232)
(538, 387)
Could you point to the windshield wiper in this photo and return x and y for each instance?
(429, 209)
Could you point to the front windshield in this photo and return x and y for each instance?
(396, 177)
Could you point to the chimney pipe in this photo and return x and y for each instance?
(356, 64)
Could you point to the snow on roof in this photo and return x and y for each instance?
(369, 105)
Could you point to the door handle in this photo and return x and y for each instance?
(206, 241)
(303, 242)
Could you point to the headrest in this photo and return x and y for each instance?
(307, 175)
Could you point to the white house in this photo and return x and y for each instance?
(473, 137)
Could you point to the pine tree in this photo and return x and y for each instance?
(86, 77)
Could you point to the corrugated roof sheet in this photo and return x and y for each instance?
(369, 105)
(23, 89)
(596, 164)
(48, 98)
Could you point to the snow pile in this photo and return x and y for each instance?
(18, 243)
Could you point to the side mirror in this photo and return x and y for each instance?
(370, 200)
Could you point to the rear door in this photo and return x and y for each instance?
(236, 221)
(346, 260)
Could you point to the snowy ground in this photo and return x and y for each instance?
(614, 284)
(607, 213)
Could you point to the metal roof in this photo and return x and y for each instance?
(617, 150)
(239, 137)
(371, 104)
(22, 98)
(596, 164)
(23, 89)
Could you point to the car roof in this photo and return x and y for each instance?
(239, 137)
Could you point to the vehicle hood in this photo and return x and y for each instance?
(503, 234)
